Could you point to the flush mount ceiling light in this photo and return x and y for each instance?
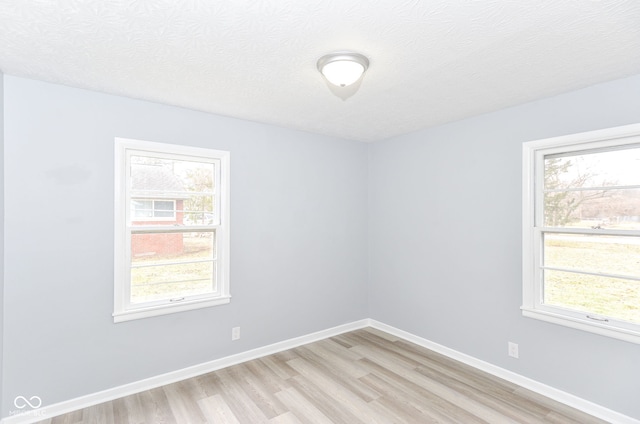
(343, 69)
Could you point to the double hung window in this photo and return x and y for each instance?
(581, 231)
(172, 228)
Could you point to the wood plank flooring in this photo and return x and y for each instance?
(365, 376)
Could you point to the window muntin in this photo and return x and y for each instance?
(164, 208)
(172, 240)
(581, 218)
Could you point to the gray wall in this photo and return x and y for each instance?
(1, 231)
(298, 249)
(445, 243)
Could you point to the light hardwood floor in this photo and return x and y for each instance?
(365, 376)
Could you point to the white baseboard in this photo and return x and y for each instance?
(535, 386)
(49, 411)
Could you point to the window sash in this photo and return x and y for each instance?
(540, 304)
(168, 300)
(214, 193)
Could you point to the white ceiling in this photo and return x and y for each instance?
(432, 61)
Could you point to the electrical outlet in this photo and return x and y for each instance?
(235, 333)
(513, 350)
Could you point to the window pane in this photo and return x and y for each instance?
(199, 211)
(592, 253)
(610, 297)
(160, 282)
(185, 185)
(589, 208)
(142, 208)
(164, 208)
(597, 168)
(160, 248)
(172, 265)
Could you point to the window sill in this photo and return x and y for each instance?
(153, 311)
(583, 324)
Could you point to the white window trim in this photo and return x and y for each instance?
(122, 247)
(532, 306)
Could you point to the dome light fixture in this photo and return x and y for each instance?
(343, 69)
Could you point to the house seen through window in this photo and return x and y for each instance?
(153, 208)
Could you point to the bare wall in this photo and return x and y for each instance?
(1, 233)
(298, 249)
(445, 243)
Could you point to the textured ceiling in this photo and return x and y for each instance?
(432, 61)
